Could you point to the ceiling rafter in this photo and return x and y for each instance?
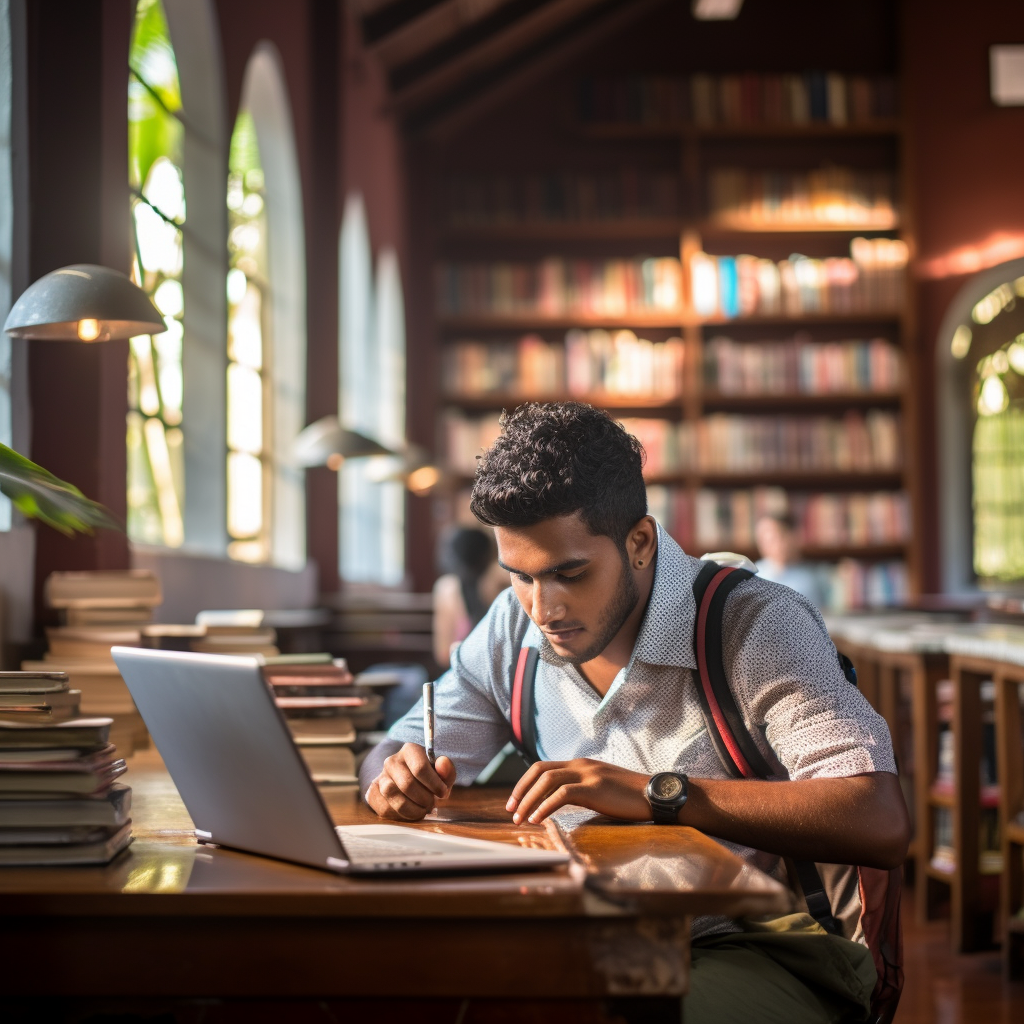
(454, 111)
(511, 29)
(432, 28)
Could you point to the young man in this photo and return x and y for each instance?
(606, 595)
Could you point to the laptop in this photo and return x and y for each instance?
(246, 786)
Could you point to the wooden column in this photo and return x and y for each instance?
(77, 79)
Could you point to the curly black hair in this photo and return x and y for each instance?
(558, 459)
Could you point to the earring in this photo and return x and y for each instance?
(639, 563)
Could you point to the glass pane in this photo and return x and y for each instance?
(156, 477)
(247, 291)
(245, 409)
(245, 329)
(245, 495)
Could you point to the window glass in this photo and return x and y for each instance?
(372, 401)
(993, 346)
(156, 472)
(249, 444)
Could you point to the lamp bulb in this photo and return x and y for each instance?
(334, 461)
(88, 330)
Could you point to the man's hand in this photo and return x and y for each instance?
(601, 787)
(408, 787)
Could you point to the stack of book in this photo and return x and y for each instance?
(234, 632)
(870, 280)
(815, 97)
(327, 711)
(465, 438)
(833, 196)
(100, 610)
(562, 196)
(801, 366)
(59, 799)
(852, 583)
(559, 287)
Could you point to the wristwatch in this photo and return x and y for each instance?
(666, 793)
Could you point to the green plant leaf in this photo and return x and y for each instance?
(38, 494)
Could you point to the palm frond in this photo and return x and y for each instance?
(38, 494)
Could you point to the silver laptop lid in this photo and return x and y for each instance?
(229, 751)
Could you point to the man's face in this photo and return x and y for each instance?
(576, 587)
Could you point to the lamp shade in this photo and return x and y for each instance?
(83, 302)
(327, 443)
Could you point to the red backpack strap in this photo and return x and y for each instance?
(735, 746)
(725, 724)
(523, 719)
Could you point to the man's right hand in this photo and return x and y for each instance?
(408, 788)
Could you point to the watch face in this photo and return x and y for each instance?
(666, 787)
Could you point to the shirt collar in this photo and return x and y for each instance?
(666, 634)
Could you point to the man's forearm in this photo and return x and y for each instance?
(859, 820)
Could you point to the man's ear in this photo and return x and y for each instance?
(642, 543)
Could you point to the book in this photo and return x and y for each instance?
(331, 731)
(33, 682)
(62, 779)
(103, 690)
(82, 762)
(307, 703)
(48, 707)
(100, 852)
(74, 734)
(130, 616)
(109, 809)
(330, 764)
(106, 588)
(54, 835)
(163, 637)
(92, 642)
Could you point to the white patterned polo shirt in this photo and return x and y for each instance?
(806, 718)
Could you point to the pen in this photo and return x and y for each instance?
(428, 721)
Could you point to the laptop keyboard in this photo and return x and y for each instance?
(365, 848)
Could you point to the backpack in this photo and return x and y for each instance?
(875, 909)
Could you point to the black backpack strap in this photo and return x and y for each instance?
(728, 731)
(524, 722)
(735, 746)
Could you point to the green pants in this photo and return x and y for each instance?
(788, 970)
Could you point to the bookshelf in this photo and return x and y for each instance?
(589, 234)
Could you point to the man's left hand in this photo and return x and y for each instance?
(601, 787)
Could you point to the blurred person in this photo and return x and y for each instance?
(471, 580)
(780, 557)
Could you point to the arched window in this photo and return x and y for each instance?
(266, 324)
(176, 153)
(372, 401)
(981, 398)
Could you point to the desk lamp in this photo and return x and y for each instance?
(327, 443)
(83, 302)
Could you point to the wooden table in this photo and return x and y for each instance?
(170, 918)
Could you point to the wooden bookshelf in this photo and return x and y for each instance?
(697, 133)
(691, 151)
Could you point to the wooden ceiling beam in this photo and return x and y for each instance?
(435, 26)
(453, 113)
(446, 75)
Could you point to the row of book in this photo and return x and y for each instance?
(870, 280)
(556, 287)
(815, 97)
(563, 196)
(833, 196)
(722, 443)
(800, 365)
(726, 519)
(611, 362)
(60, 801)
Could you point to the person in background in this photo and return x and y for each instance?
(472, 579)
(780, 558)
